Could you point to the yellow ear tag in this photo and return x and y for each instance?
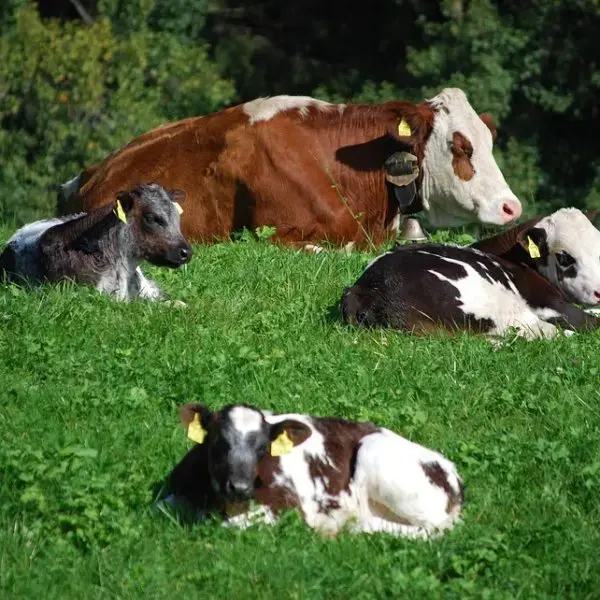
(120, 212)
(195, 431)
(404, 129)
(533, 250)
(281, 445)
(178, 207)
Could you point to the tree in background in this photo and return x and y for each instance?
(81, 77)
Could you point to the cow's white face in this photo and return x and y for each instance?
(569, 247)
(461, 181)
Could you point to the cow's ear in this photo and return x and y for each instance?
(287, 434)
(123, 205)
(535, 242)
(413, 124)
(196, 419)
(489, 121)
(593, 216)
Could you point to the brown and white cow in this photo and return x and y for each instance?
(433, 287)
(314, 170)
(103, 247)
(563, 247)
(338, 473)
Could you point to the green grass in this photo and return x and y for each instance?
(89, 395)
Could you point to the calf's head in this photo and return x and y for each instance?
(565, 248)
(238, 438)
(461, 181)
(153, 217)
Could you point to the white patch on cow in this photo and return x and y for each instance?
(394, 491)
(312, 249)
(505, 307)
(547, 313)
(24, 243)
(147, 288)
(258, 515)
(569, 230)
(448, 200)
(120, 280)
(349, 247)
(263, 109)
(246, 420)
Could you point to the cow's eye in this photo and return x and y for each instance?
(564, 259)
(154, 220)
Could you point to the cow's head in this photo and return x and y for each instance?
(565, 248)
(461, 181)
(238, 438)
(153, 216)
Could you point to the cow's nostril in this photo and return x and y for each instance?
(597, 294)
(184, 253)
(511, 210)
(507, 210)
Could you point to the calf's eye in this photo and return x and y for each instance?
(152, 219)
(564, 259)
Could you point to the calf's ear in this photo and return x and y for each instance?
(195, 419)
(287, 434)
(489, 121)
(535, 242)
(593, 216)
(125, 199)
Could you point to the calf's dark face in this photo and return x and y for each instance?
(234, 454)
(156, 226)
(238, 439)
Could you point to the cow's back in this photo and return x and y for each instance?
(311, 169)
(180, 155)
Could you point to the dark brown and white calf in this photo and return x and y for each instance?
(432, 286)
(103, 247)
(563, 247)
(338, 473)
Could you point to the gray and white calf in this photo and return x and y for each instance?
(338, 473)
(563, 247)
(103, 247)
(433, 287)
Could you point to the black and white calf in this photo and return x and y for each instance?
(432, 286)
(103, 247)
(563, 247)
(338, 473)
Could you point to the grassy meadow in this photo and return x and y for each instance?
(89, 398)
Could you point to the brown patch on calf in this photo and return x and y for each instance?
(341, 439)
(438, 477)
(462, 151)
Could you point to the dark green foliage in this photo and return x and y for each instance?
(71, 93)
